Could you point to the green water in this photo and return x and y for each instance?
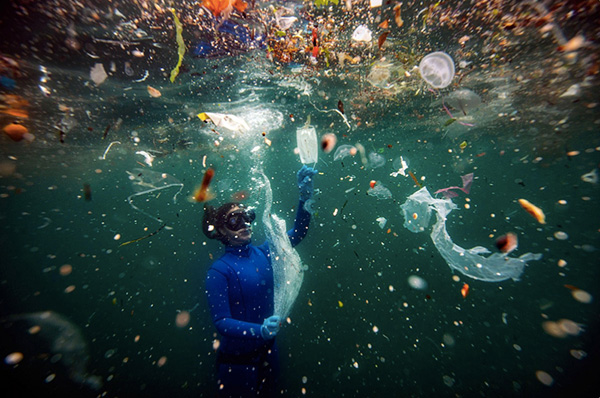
(357, 328)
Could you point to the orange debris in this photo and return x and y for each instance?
(219, 6)
(532, 209)
(17, 132)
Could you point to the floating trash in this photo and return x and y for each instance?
(591, 177)
(379, 191)
(495, 268)
(306, 138)
(463, 100)
(362, 34)
(381, 221)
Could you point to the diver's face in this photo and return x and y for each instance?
(242, 231)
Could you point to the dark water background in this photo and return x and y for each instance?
(357, 329)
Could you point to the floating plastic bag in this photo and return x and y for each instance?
(362, 33)
(147, 183)
(379, 191)
(470, 262)
(288, 271)
(230, 122)
(464, 100)
(306, 138)
(437, 69)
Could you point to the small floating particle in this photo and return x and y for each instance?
(560, 235)
(375, 329)
(161, 361)
(464, 291)
(578, 354)
(532, 209)
(154, 92)
(582, 296)
(340, 304)
(117, 237)
(569, 327)
(65, 269)
(544, 377)
(182, 319)
(562, 263)
(416, 282)
(328, 142)
(69, 288)
(13, 358)
(216, 344)
(137, 338)
(553, 329)
(572, 153)
(507, 243)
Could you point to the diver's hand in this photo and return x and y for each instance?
(270, 327)
(305, 182)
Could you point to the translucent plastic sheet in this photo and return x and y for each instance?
(53, 336)
(495, 268)
(288, 271)
(146, 182)
(306, 138)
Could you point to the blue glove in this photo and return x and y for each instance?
(305, 182)
(270, 327)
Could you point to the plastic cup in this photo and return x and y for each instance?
(437, 69)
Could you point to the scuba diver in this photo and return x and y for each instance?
(240, 292)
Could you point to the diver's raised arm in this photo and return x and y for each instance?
(305, 185)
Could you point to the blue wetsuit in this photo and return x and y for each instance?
(239, 286)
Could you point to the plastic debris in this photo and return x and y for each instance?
(362, 34)
(573, 91)
(148, 158)
(376, 160)
(147, 182)
(98, 74)
(591, 177)
(381, 221)
(532, 209)
(463, 100)
(402, 166)
(467, 180)
(380, 191)
(470, 262)
(306, 139)
(288, 271)
(180, 46)
(437, 69)
(154, 92)
(230, 122)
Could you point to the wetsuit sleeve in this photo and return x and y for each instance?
(298, 232)
(217, 290)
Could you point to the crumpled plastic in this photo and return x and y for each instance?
(417, 211)
(230, 122)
